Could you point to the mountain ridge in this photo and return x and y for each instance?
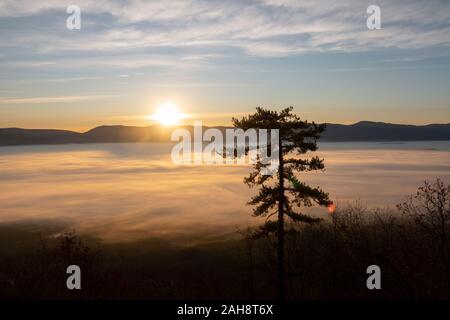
(359, 131)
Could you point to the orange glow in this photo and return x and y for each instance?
(331, 208)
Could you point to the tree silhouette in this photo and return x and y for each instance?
(430, 209)
(296, 137)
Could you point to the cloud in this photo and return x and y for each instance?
(41, 100)
(127, 61)
(258, 28)
(56, 80)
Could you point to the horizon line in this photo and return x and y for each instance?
(215, 126)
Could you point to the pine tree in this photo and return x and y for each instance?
(283, 194)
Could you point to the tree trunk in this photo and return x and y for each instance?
(280, 228)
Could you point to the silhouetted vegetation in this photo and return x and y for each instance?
(327, 260)
(280, 198)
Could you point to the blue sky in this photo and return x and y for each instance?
(217, 59)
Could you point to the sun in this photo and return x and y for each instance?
(168, 114)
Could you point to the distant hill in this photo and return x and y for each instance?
(361, 131)
(17, 136)
(380, 131)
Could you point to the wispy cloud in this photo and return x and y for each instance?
(55, 80)
(262, 28)
(43, 100)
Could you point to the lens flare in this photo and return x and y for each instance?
(331, 208)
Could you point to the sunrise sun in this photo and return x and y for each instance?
(168, 114)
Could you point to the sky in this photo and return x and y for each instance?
(219, 59)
